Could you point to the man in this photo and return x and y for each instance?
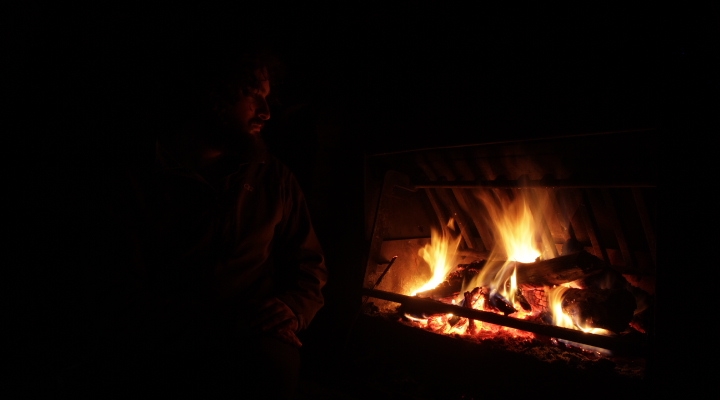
(226, 268)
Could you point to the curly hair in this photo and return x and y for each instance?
(224, 75)
(204, 77)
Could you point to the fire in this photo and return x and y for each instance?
(509, 291)
(514, 229)
(440, 254)
(555, 304)
(560, 318)
(495, 287)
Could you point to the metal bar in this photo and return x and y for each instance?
(390, 264)
(379, 279)
(529, 184)
(379, 228)
(615, 344)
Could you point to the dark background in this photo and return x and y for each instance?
(361, 79)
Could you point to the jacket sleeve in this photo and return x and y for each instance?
(301, 265)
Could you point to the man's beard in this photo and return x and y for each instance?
(231, 138)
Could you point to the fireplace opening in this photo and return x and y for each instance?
(543, 248)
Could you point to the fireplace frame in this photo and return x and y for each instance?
(604, 192)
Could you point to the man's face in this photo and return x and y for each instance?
(251, 111)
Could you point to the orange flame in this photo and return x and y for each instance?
(514, 229)
(560, 318)
(440, 254)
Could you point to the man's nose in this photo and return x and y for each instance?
(263, 110)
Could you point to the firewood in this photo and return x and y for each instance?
(520, 298)
(474, 267)
(469, 302)
(497, 302)
(452, 285)
(611, 279)
(446, 289)
(610, 309)
(608, 278)
(559, 270)
(472, 297)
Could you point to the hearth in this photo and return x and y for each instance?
(543, 246)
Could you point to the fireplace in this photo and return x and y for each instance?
(534, 246)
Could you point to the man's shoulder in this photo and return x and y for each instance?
(277, 171)
(277, 166)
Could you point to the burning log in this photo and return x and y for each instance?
(471, 297)
(446, 289)
(429, 307)
(520, 298)
(610, 309)
(453, 284)
(605, 299)
(559, 270)
(496, 301)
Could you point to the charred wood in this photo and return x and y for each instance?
(611, 279)
(497, 302)
(643, 320)
(468, 302)
(535, 296)
(471, 297)
(520, 298)
(453, 284)
(610, 309)
(446, 289)
(607, 278)
(473, 268)
(559, 270)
